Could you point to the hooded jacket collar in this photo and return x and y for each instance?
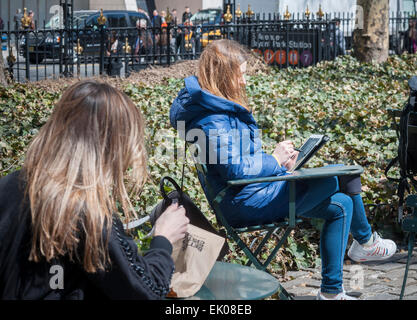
(209, 100)
(193, 103)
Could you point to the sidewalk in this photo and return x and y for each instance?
(374, 280)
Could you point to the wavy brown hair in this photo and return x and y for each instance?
(82, 167)
(219, 70)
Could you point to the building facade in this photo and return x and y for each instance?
(45, 9)
(332, 6)
(194, 5)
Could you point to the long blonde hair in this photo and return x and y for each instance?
(219, 70)
(79, 171)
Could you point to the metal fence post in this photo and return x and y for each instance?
(168, 44)
(67, 6)
(101, 21)
(101, 67)
(287, 41)
(320, 44)
(11, 59)
(27, 62)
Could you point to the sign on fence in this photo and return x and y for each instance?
(295, 48)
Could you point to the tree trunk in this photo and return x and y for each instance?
(3, 81)
(371, 35)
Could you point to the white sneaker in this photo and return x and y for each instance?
(381, 249)
(339, 296)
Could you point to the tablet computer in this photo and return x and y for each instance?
(308, 149)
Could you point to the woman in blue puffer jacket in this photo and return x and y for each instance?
(213, 111)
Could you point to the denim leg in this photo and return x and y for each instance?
(360, 227)
(337, 213)
(319, 188)
(318, 191)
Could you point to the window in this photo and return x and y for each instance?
(117, 20)
(78, 20)
(92, 22)
(133, 19)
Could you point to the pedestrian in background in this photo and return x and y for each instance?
(339, 44)
(186, 15)
(163, 19)
(144, 43)
(156, 19)
(410, 40)
(140, 10)
(32, 25)
(174, 16)
(114, 50)
(17, 19)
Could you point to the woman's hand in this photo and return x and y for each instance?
(285, 153)
(291, 161)
(172, 224)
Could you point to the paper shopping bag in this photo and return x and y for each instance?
(194, 257)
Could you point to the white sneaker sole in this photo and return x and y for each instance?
(370, 258)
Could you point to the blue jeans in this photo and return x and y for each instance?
(342, 213)
(317, 198)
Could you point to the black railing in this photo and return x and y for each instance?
(299, 41)
(399, 25)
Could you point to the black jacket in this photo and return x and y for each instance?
(156, 21)
(130, 276)
(186, 16)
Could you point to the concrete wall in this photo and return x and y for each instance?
(113, 4)
(194, 5)
(43, 9)
(259, 6)
(212, 4)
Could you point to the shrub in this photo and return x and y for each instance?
(344, 99)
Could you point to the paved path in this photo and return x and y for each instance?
(375, 281)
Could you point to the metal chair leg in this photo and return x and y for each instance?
(411, 238)
(283, 294)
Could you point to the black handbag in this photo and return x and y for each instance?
(197, 218)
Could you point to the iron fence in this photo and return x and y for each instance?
(283, 41)
(399, 25)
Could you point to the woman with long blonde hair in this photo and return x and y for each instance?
(60, 232)
(214, 111)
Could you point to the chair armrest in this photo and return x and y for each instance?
(303, 174)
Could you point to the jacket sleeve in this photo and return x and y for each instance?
(250, 166)
(237, 155)
(132, 276)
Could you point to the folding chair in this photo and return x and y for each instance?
(267, 230)
(409, 224)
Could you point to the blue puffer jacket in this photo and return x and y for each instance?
(230, 136)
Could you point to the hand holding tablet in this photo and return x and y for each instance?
(308, 149)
